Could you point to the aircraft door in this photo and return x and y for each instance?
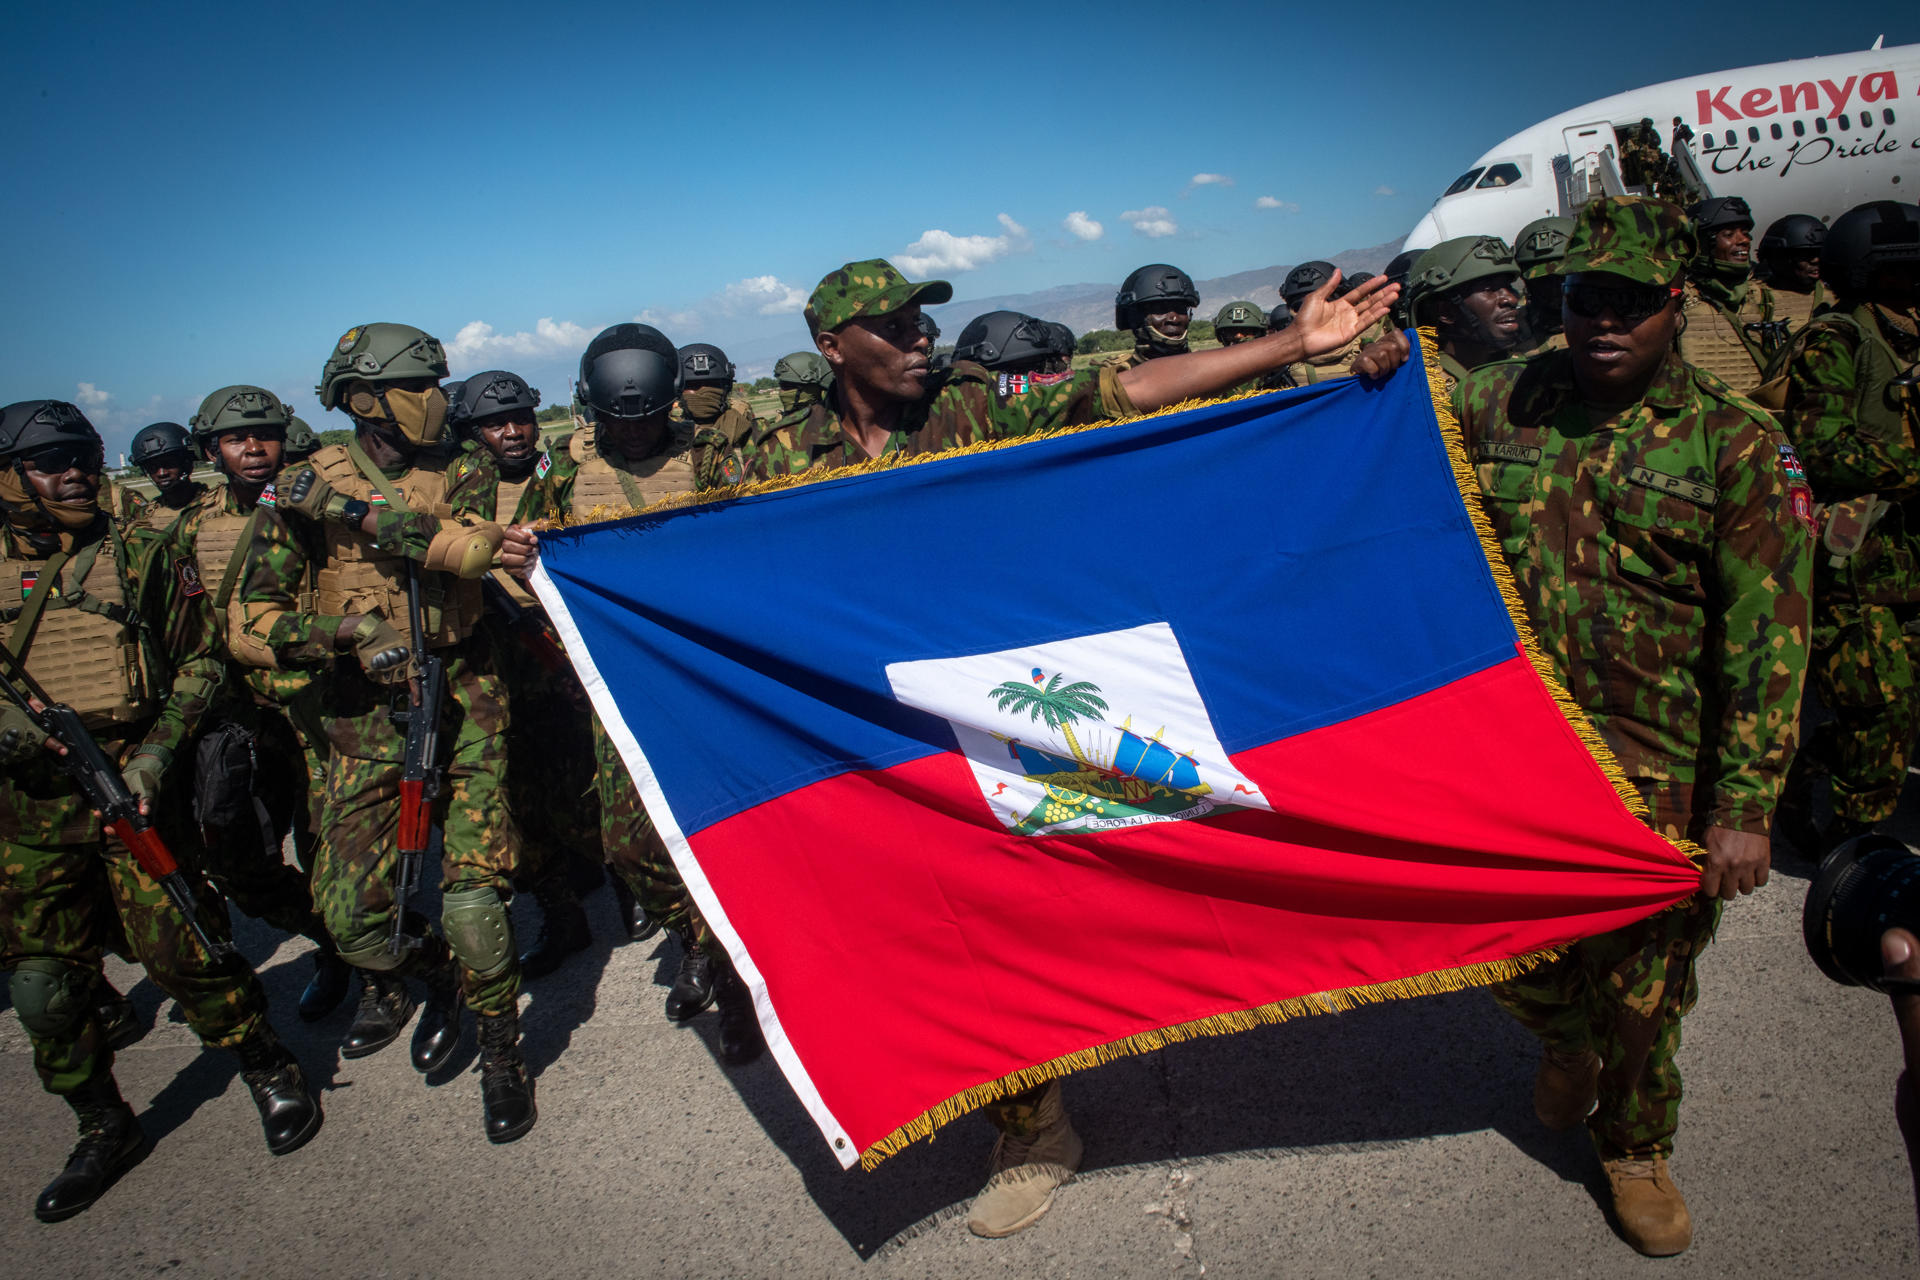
(1590, 166)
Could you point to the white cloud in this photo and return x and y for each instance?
(669, 320)
(1154, 221)
(767, 295)
(1384, 190)
(477, 343)
(1273, 202)
(92, 397)
(1081, 225)
(938, 250)
(1207, 180)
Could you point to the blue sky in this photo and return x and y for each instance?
(204, 194)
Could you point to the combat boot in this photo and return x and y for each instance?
(692, 988)
(385, 1006)
(1566, 1087)
(633, 917)
(740, 1038)
(1652, 1215)
(1026, 1169)
(506, 1088)
(111, 1142)
(563, 928)
(437, 1034)
(328, 986)
(119, 1023)
(289, 1113)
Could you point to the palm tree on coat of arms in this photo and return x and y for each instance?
(1058, 705)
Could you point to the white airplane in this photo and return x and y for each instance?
(1814, 135)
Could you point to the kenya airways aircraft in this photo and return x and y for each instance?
(1815, 135)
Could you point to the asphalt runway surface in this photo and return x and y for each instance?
(1396, 1140)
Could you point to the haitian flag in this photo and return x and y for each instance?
(990, 766)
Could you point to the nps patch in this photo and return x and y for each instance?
(1700, 495)
(189, 576)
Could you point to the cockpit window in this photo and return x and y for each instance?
(1504, 174)
(1462, 182)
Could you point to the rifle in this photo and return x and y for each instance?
(105, 791)
(420, 775)
(524, 623)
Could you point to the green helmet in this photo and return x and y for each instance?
(1541, 244)
(1240, 315)
(379, 353)
(1452, 263)
(301, 441)
(803, 368)
(234, 408)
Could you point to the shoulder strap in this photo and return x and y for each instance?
(371, 472)
(237, 557)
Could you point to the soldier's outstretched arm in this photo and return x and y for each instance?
(1322, 324)
(1842, 460)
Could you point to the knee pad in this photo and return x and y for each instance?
(50, 995)
(369, 951)
(477, 928)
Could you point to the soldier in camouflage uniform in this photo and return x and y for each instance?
(1623, 484)
(1156, 305)
(327, 575)
(1789, 259)
(1852, 409)
(550, 765)
(706, 394)
(1014, 342)
(1729, 324)
(1238, 322)
(137, 657)
(261, 749)
(631, 456)
(884, 403)
(164, 451)
(1468, 291)
(1299, 283)
(1537, 251)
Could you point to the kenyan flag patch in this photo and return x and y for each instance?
(543, 466)
(268, 498)
(29, 579)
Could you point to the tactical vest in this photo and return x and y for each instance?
(360, 577)
(1713, 342)
(1797, 308)
(506, 506)
(85, 648)
(599, 484)
(215, 544)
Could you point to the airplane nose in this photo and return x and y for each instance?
(1426, 233)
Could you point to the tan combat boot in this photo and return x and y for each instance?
(1566, 1087)
(1025, 1171)
(1652, 1215)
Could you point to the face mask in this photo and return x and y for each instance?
(704, 404)
(28, 512)
(1149, 336)
(419, 415)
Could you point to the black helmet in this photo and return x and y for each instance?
(1280, 317)
(1155, 282)
(629, 371)
(1008, 340)
(487, 393)
(1866, 238)
(1063, 339)
(29, 426)
(1348, 283)
(1402, 266)
(1795, 233)
(1303, 280)
(150, 444)
(1719, 213)
(924, 323)
(704, 362)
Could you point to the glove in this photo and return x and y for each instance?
(143, 772)
(383, 654)
(20, 737)
(314, 498)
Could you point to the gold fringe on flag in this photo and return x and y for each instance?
(1438, 982)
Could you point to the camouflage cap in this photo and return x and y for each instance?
(1645, 240)
(869, 288)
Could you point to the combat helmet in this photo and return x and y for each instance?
(803, 369)
(1717, 213)
(704, 362)
(28, 426)
(490, 392)
(1240, 317)
(1866, 238)
(1280, 317)
(628, 371)
(152, 443)
(1541, 244)
(1009, 341)
(1155, 282)
(1795, 233)
(301, 441)
(237, 408)
(1396, 273)
(1303, 280)
(1451, 264)
(381, 355)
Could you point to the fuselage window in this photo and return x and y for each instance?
(1504, 174)
(1776, 133)
(1462, 182)
(1886, 114)
(1820, 124)
(1753, 135)
(1846, 121)
(1866, 119)
(1799, 128)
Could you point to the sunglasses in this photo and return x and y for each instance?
(61, 458)
(1632, 303)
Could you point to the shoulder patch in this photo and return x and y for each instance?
(1014, 384)
(1799, 493)
(1052, 379)
(189, 576)
(268, 497)
(732, 470)
(543, 466)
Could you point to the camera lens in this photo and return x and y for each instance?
(1866, 886)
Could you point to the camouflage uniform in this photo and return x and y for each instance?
(1856, 433)
(1726, 329)
(71, 892)
(354, 865)
(1666, 577)
(146, 525)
